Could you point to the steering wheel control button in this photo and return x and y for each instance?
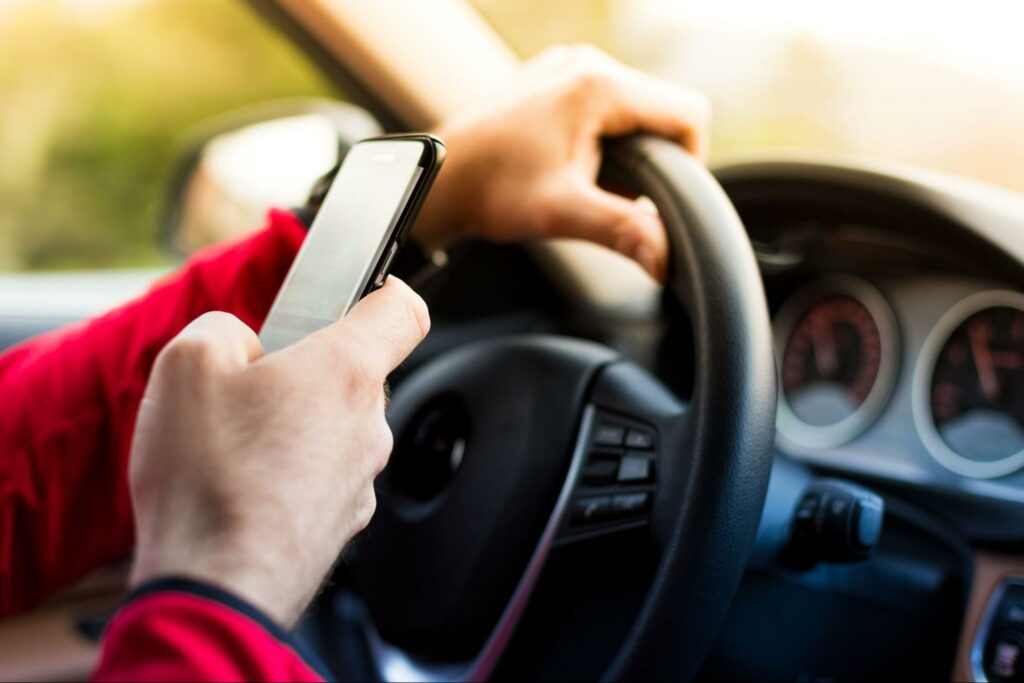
(1014, 613)
(615, 486)
(635, 469)
(628, 504)
(608, 434)
(1005, 662)
(601, 470)
(591, 509)
(640, 439)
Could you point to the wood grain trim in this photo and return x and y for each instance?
(989, 571)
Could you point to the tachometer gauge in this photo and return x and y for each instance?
(839, 353)
(969, 387)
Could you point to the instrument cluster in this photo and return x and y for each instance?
(841, 358)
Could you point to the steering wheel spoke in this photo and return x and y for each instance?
(636, 456)
(616, 484)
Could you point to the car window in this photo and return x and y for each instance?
(94, 99)
(933, 84)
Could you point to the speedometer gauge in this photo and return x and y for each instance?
(838, 359)
(969, 389)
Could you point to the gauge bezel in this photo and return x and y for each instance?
(925, 370)
(820, 437)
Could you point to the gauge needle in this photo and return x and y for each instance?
(824, 341)
(979, 332)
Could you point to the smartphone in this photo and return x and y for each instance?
(363, 220)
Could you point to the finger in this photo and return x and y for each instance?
(380, 331)
(618, 223)
(223, 338)
(642, 102)
(632, 100)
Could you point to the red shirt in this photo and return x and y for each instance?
(68, 404)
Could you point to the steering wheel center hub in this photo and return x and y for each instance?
(431, 449)
(485, 436)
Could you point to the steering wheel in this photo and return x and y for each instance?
(515, 451)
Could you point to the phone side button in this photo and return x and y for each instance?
(385, 266)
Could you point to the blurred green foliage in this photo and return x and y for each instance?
(93, 106)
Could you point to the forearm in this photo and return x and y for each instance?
(68, 403)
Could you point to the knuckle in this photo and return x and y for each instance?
(360, 381)
(267, 379)
(547, 212)
(629, 235)
(583, 71)
(370, 506)
(220, 318)
(544, 220)
(384, 444)
(187, 351)
(587, 81)
(366, 508)
(385, 441)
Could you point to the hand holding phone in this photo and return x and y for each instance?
(364, 219)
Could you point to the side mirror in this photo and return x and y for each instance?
(236, 167)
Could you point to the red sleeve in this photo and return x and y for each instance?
(181, 630)
(68, 402)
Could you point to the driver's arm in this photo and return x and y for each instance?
(68, 403)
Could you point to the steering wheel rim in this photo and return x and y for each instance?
(714, 273)
(706, 520)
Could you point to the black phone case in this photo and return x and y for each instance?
(431, 161)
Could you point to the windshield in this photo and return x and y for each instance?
(929, 83)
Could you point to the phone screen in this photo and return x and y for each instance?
(346, 241)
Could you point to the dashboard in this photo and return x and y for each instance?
(897, 302)
(917, 379)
